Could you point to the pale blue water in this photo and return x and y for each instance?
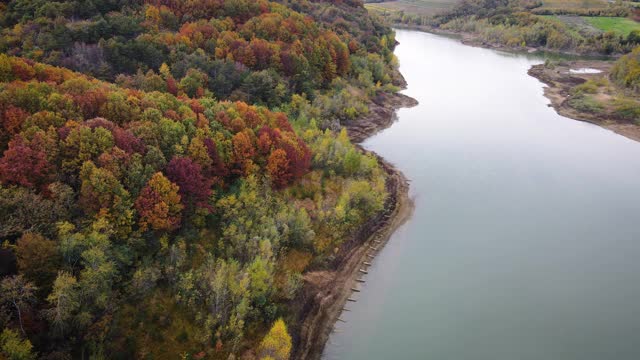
(525, 241)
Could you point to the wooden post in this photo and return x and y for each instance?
(366, 263)
(363, 271)
(355, 290)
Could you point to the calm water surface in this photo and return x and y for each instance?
(525, 241)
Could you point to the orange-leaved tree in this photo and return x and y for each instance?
(159, 204)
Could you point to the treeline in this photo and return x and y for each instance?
(614, 10)
(517, 24)
(626, 71)
(170, 207)
(524, 29)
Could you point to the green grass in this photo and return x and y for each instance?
(618, 25)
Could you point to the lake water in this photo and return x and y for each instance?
(525, 240)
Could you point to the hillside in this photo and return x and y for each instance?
(171, 169)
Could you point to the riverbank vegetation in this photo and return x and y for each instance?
(614, 94)
(595, 27)
(170, 169)
(601, 92)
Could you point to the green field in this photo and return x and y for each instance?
(619, 25)
(415, 7)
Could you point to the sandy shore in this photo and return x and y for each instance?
(559, 81)
(325, 293)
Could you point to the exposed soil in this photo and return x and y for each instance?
(560, 80)
(325, 292)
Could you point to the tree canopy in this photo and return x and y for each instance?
(169, 169)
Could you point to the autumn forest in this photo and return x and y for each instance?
(171, 169)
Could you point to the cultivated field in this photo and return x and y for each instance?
(414, 7)
(598, 24)
(574, 4)
(618, 25)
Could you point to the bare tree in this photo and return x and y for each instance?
(17, 293)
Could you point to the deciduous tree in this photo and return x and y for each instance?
(64, 301)
(38, 258)
(278, 168)
(14, 347)
(23, 165)
(277, 343)
(18, 294)
(159, 204)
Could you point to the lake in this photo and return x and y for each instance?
(525, 240)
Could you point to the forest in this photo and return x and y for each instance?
(170, 169)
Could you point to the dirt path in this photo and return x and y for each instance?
(325, 293)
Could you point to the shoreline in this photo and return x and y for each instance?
(558, 83)
(472, 39)
(325, 292)
(466, 38)
(557, 86)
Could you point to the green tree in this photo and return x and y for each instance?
(102, 195)
(14, 347)
(64, 301)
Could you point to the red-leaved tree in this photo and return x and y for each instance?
(195, 188)
(25, 165)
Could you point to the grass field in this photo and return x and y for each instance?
(579, 23)
(415, 7)
(619, 25)
(574, 4)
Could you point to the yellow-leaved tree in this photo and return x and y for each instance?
(276, 344)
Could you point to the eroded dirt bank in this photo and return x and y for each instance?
(325, 292)
(559, 81)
